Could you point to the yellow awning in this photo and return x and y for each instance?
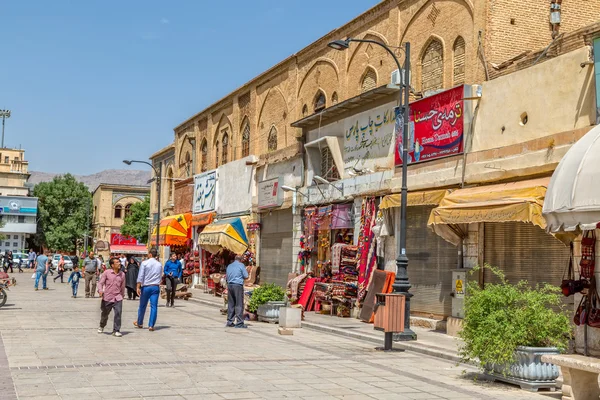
(424, 198)
(227, 234)
(515, 201)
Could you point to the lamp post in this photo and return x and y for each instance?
(401, 284)
(4, 114)
(158, 175)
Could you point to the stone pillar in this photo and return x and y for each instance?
(579, 384)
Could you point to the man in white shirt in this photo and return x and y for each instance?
(148, 288)
(123, 260)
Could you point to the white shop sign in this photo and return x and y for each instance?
(369, 135)
(205, 192)
(270, 193)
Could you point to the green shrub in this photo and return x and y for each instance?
(503, 316)
(264, 294)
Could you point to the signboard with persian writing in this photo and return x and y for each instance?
(270, 193)
(117, 238)
(205, 192)
(369, 135)
(436, 127)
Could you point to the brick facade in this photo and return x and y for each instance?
(449, 40)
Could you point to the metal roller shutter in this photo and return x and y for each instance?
(430, 265)
(524, 252)
(276, 247)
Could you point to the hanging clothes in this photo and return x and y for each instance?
(366, 245)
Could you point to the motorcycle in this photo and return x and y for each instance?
(3, 294)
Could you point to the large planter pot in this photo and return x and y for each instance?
(528, 371)
(270, 312)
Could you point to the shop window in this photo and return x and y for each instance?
(334, 98)
(328, 168)
(225, 152)
(127, 210)
(458, 76)
(320, 101)
(204, 151)
(118, 211)
(432, 67)
(246, 140)
(272, 139)
(369, 80)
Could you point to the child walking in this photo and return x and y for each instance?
(74, 280)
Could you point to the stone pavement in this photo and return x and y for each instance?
(53, 352)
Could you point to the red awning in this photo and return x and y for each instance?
(129, 248)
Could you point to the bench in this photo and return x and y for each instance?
(580, 375)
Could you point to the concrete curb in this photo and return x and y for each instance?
(415, 347)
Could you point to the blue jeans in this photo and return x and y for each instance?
(148, 293)
(39, 274)
(74, 286)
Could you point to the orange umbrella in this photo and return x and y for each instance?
(174, 230)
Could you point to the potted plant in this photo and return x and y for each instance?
(507, 328)
(266, 301)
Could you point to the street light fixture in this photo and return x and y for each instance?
(158, 177)
(324, 181)
(401, 284)
(4, 114)
(294, 190)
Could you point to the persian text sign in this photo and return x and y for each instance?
(270, 193)
(117, 238)
(370, 134)
(205, 192)
(435, 129)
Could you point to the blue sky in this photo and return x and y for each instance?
(91, 83)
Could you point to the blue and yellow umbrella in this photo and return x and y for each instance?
(227, 234)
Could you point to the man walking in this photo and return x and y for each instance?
(41, 271)
(90, 265)
(148, 289)
(173, 277)
(236, 273)
(112, 289)
(31, 259)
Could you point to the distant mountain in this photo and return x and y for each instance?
(113, 176)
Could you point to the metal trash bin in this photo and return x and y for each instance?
(389, 312)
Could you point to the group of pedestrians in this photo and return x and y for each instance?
(8, 262)
(139, 280)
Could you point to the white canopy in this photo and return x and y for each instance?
(573, 196)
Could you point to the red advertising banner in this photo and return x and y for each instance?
(436, 127)
(117, 238)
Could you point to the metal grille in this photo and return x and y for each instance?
(328, 168)
(225, 152)
(432, 67)
(272, 139)
(276, 247)
(430, 265)
(369, 80)
(524, 252)
(246, 141)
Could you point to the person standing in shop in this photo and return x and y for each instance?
(148, 289)
(172, 273)
(236, 273)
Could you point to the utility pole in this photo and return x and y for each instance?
(4, 114)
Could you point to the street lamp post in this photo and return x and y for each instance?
(401, 284)
(4, 114)
(158, 175)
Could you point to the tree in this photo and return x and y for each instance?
(136, 224)
(64, 206)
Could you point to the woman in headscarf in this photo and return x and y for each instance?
(131, 278)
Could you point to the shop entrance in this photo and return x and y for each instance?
(276, 246)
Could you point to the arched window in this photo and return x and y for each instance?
(304, 110)
(204, 151)
(272, 139)
(334, 98)
(188, 165)
(118, 210)
(170, 183)
(127, 210)
(369, 80)
(458, 75)
(432, 67)
(320, 101)
(225, 152)
(246, 140)
(217, 154)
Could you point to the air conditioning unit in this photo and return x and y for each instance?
(398, 77)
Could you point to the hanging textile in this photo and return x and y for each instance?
(342, 216)
(366, 255)
(323, 219)
(310, 217)
(336, 257)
